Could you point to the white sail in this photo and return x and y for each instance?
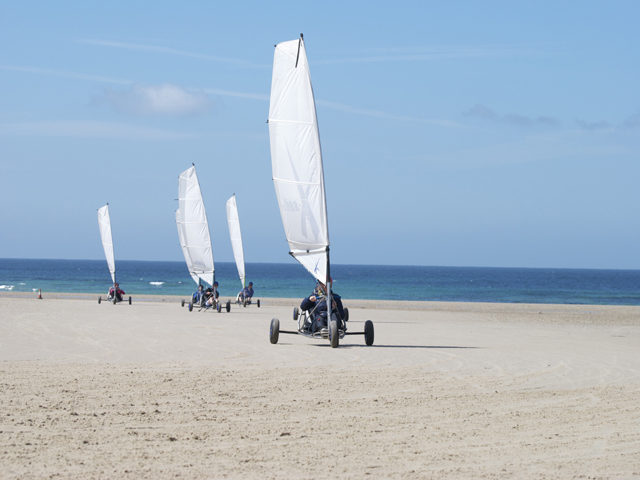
(193, 228)
(104, 222)
(296, 158)
(236, 236)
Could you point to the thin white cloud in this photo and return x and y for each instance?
(165, 100)
(413, 54)
(115, 100)
(485, 113)
(89, 129)
(170, 51)
(65, 74)
(375, 113)
(230, 93)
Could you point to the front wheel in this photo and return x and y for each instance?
(334, 336)
(368, 332)
(114, 301)
(99, 300)
(258, 303)
(296, 313)
(274, 331)
(228, 306)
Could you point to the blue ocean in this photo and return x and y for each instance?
(455, 284)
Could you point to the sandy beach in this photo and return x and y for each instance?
(448, 390)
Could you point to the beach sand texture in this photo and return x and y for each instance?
(449, 390)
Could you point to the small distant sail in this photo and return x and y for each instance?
(296, 159)
(104, 222)
(236, 236)
(193, 228)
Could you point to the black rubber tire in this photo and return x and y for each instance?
(334, 336)
(99, 300)
(182, 303)
(244, 302)
(129, 300)
(228, 306)
(218, 307)
(258, 303)
(190, 307)
(346, 314)
(296, 313)
(115, 301)
(274, 331)
(368, 332)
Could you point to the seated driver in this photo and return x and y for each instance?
(118, 293)
(316, 303)
(197, 295)
(246, 293)
(212, 295)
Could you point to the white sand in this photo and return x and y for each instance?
(449, 390)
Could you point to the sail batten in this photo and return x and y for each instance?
(104, 223)
(193, 228)
(233, 219)
(296, 158)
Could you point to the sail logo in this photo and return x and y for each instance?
(290, 205)
(199, 264)
(315, 270)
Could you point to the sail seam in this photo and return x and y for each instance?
(289, 121)
(295, 182)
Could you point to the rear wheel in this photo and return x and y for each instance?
(368, 332)
(228, 306)
(274, 331)
(99, 300)
(129, 300)
(334, 336)
(190, 307)
(218, 307)
(258, 303)
(296, 313)
(182, 305)
(346, 314)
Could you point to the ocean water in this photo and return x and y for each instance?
(458, 284)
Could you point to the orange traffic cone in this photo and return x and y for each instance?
(40, 294)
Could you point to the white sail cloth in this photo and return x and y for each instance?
(193, 228)
(104, 222)
(296, 158)
(236, 236)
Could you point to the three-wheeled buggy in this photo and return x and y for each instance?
(207, 300)
(313, 323)
(246, 301)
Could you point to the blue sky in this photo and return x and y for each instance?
(453, 133)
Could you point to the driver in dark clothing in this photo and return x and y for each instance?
(317, 303)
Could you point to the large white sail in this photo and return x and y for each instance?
(296, 158)
(193, 228)
(236, 236)
(104, 222)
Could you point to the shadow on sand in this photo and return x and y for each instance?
(355, 345)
